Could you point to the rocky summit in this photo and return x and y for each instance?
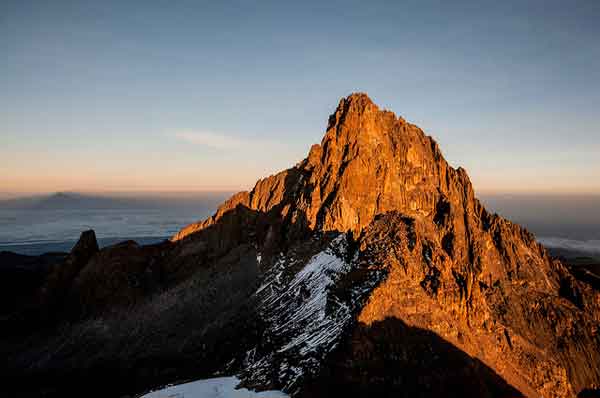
(368, 269)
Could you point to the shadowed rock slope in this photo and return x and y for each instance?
(368, 268)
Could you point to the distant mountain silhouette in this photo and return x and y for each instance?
(68, 200)
(75, 200)
(62, 200)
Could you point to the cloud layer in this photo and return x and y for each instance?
(587, 246)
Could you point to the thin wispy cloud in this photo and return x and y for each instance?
(221, 141)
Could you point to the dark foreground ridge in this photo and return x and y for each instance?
(369, 268)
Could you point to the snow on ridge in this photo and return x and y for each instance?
(303, 320)
(321, 272)
(309, 289)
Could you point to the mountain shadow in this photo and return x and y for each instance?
(389, 358)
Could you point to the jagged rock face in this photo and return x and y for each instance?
(371, 162)
(471, 277)
(514, 326)
(368, 268)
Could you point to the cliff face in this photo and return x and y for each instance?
(368, 268)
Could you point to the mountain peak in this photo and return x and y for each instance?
(357, 100)
(369, 162)
(357, 106)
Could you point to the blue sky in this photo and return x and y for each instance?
(127, 96)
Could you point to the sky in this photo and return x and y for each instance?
(193, 95)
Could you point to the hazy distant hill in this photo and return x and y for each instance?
(62, 200)
(73, 200)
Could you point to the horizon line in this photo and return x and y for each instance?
(9, 195)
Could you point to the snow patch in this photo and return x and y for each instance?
(221, 387)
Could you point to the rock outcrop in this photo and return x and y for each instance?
(370, 267)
